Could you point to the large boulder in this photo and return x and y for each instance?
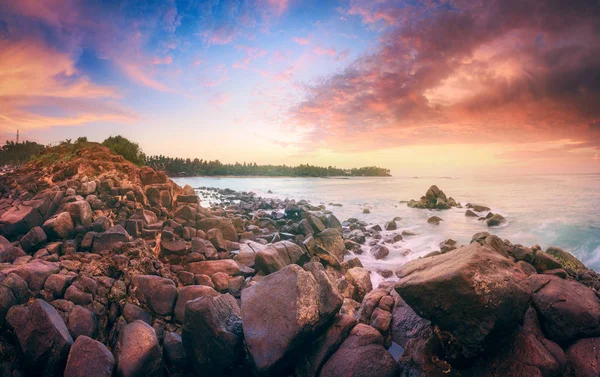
(110, 238)
(331, 240)
(566, 259)
(190, 293)
(59, 226)
(21, 218)
(583, 358)
(472, 294)
(361, 355)
(283, 312)
(224, 224)
(80, 212)
(89, 358)
(211, 267)
(212, 334)
(568, 310)
(138, 352)
(33, 239)
(35, 272)
(278, 255)
(158, 293)
(43, 337)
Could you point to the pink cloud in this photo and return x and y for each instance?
(325, 51)
(300, 41)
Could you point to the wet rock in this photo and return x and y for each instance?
(472, 294)
(361, 354)
(43, 337)
(138, 352)
(280, 314)
(434, 220)
(212, 334)
(59, 226)
(380, 251)
(390, 225)
(156, 292)
(89, 358)
(470, 213)
(495, 220)
(568, 310)
(332, 241)
(566, 259)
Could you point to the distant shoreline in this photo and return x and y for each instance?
(278, 176)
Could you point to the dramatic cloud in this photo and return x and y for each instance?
(464, 71)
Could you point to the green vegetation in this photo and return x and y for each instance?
(128, 149)
(16, 154)
(187, 167)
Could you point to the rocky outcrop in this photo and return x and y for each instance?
(434, 198)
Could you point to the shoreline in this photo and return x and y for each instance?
(277, 176)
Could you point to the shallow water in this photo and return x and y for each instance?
(549, 210)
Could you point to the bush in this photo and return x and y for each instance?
(128, 149)
(81, 139)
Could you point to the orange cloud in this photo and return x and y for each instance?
(35, 76)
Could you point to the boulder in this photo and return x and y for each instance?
(11, 254)
(59, 226)
(33, 239)
(211, 267)
(361, 280)
(390, 225)
(568, 310)
(566, 259)
(544, 262)
(212, 334)
(583, 358)
(82, 322)
(80, 212)
(361, 355)
(21, 218)
(225, 225)
(324, 346)
(138, 352)
(278, 255)
(35, 272)
(470, 213)
(110, 238)
(434, 220)
(89, 358)
(380, 251)
(281, 313)
(472, 294)
(189, 293)
(43, 337)
(156, 292)
(331, 240)
(495, 220)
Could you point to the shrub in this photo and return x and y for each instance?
(81, 139)
(128, 149)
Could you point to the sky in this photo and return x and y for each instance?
(420, 87)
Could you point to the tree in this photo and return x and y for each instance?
(81, 139)
(128, 149)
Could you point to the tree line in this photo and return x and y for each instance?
(178, 167)
(16, 154)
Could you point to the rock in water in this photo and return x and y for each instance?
(434, 220)
(138, 351)
(471, 294)
(212, 334)
(89, 358)
(496, 220)
(43, 336)
(281, 313)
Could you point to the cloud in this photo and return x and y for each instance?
(220, 98)
(463, 73)
(325, 51)
(300, 41)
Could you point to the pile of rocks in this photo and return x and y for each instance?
(121, 272)
(434, 199)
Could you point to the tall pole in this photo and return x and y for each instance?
(17, 136)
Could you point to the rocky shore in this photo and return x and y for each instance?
(109, 269)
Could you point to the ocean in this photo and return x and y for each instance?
(549, 210)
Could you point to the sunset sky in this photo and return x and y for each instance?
(423, 88)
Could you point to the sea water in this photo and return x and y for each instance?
(548, 210)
